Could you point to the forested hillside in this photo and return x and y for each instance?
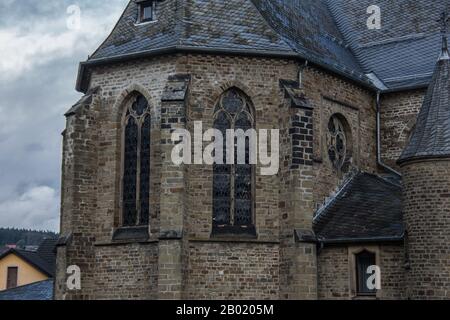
(23, 237)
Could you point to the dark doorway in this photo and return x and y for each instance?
(11, 281)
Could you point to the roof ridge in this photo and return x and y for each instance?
(380, 177)
(113, 29)
(33, 258)
(180, 20)
(344, 29)
(348, 43)
(270, 26)
(345, 182)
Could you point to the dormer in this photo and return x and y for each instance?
(146, 11)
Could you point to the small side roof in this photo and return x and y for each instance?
(37, 291)
(366, 208)
(44, 259)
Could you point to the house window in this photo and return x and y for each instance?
(11, 280)
(147, 11)
(364, 260)
(136, 164)
(233, 183)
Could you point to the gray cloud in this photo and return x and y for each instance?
(38, 68)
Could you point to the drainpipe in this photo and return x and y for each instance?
(300, 73)
(379, 160)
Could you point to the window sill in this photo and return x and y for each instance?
(143, 23)
(365, 297)
(130, 234)
(234, 232)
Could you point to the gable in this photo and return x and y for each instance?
(30, 258)
(27, 272)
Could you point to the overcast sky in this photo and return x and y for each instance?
(40, 48)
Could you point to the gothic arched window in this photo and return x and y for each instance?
(233, 183)
(136, 164)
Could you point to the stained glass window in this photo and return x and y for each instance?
(129, 173)
(136, 164)
(337, 142)
(232, 187)
(144, 181)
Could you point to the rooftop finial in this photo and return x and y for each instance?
(444, 20)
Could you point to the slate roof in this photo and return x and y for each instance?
(195, 23)
(43, 259)
(431, 135)
(404, 51)
(330, 33)
(47, 252)
(268, 27)
(37, 291)
(3, 249)
(367, 208)
(309, 28)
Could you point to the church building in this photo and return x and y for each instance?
(363, 184)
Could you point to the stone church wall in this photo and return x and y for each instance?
(398, 116)
(331, 95)
(95, 133)
(427, 222)
(233, 270)
(284, 202)
(249, 265)
(126, 271)
(335, 271)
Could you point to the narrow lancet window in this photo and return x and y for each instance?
(136, 164)
(233, 183)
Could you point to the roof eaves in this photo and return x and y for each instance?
(28, 260)
(5, 253)
(82, 83)
(82, 86)
(424, 157)
(362, 239)
(405, 88)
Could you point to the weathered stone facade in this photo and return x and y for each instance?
(336, 272)
(427, 201)
(399, 114)
(338, 126)
(180, 253)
